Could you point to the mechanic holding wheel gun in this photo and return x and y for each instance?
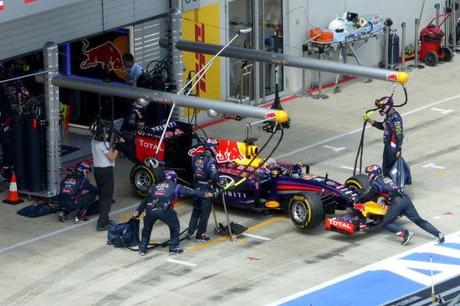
(392, 127)
(159, 205)
(400, 204)
(205, 174)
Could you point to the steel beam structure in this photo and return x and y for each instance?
(120, 90)
(292, 61)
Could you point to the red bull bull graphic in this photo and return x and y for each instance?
(101, 56)
(226, 151)
(106, 54)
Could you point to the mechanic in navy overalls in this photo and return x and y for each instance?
(205, 174)
(400, 204)
(159, 205)
(392, 127)
(76, 192)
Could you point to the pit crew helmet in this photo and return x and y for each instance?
(373, 171)
(210, 143)
(384, 104)
(170, 175)
(83, 168)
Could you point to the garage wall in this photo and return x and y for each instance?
(319, 13)
(146, 38)
(72, 21)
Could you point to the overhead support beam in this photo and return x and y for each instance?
(129, 92)
(293, 61)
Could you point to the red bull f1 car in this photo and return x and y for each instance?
(273, 185)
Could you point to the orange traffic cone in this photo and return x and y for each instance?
(13, 195)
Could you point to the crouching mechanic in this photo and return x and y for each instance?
(76, 193)
(205, 174)
(159, 205)
(392, 127)
(399, 202)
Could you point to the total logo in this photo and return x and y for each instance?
(341, 224)
(149, 145)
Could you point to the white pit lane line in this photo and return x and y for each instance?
(322, 142)
(5, 249)
(184, 263)
(256, 236)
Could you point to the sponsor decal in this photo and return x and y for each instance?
(202, 24)
(392, 77)
(228, 151)
(146, 147)
(106, 54)
(342, 225)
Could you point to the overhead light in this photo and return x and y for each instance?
(142, 102)
(212, 113)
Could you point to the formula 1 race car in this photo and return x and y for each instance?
(258, 185)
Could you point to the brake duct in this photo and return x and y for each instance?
(292, 61)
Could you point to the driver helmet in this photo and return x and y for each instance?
(210, 143)
(373, 171)
(170, 175)
(384, 104)
(83, 168)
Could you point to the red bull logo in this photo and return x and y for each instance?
(392, 77)
(226, 151)
(107, 55)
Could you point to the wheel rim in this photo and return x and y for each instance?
(299, 212)
(142, 181)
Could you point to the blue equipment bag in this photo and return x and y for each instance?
(400, 173)
(123, 235)
(35, 210)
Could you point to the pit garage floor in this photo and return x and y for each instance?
(44, 262)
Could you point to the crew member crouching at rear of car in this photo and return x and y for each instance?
(159, 205)
(76, 193)
(400, 204)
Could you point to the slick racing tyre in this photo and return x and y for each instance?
(141, 179)
(358, 182)
(306, 210)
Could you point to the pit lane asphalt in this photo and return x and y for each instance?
(64, 264)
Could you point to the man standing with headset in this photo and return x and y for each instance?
(104, 156)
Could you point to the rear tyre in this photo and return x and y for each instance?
(141, 179)
(431, 58)
(306, 211)
(446, 54)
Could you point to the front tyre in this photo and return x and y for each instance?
(141, 179)
(306, 211)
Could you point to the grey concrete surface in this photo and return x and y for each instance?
(43, 262)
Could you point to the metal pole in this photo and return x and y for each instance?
(403, 47)
(437, 6)
(176, 67)
(454, 27)
(129, 92)
(385, 46)
(53, 135)
(294, 61)
(416, 64)
(320, 95)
